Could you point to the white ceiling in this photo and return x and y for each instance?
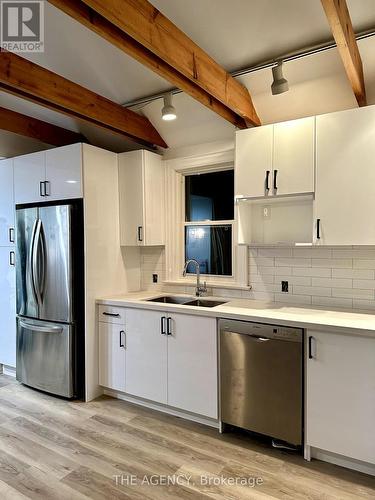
(237, 33)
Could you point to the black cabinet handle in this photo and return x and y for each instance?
(12, 259)
(47, 190)
(275, 180)
(162, 325)
(268, 180)
(11, 234)
(140, 235)
(42, 188)
(169, 326)
(121, 332)
(310, 347)
(318, 229)
(114, 315)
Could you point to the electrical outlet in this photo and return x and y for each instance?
(266, 212)
(285, 286)
(154, 278)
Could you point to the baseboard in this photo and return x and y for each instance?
(348, 463)
(164, 408)
(8, 370)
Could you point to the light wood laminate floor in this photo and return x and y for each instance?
(54, 449)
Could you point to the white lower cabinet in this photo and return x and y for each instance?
(340, 385)
(146, 355)
(7, 307)
(192, 364)
(166, 358)
(112, 356)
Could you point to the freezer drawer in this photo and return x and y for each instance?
(45, 356)
(261, 381)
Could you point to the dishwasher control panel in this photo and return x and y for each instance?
(262, 330)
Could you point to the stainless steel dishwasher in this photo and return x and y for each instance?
(261, 379)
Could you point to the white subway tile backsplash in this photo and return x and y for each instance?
(363, 264)
(341, 263)
(292, 262)
(332, 302)
(332, 282)
(353, 293)
(366, 305)
(366, 274)
(312, 290)
(342, 277)
(294, 280)
(311, 271)
(293, 299)
(316, 253)
(366, 284)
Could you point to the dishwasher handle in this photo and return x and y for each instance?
(256, 338)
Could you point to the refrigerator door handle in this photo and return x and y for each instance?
(31, 259)
(42, 245)
(35, 277)
(40, 329)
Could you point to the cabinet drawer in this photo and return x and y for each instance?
(110, 314)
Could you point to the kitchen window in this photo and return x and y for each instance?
(209, 219)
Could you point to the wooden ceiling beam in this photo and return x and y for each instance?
(342, 29)
(99, 25)
(142, 22)
(28, 80)
(37, 129)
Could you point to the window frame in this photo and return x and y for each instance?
(176, 170)
(209, 223)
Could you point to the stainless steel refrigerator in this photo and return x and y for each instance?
(48, 294)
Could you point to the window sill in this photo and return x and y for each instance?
(214, 284)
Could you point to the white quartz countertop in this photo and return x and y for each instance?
(257, 311)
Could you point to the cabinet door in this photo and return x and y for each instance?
(6, 203)
(192, 364)
(7, 308)
(153, 188)
(293, 157)
(29, 172)
(341, 395)
(345, 177)
(112, 356)
(131, 198)
(63, 172)
(146, 355)
(253, 160)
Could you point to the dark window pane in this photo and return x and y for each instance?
(211, 246)
(210, 196)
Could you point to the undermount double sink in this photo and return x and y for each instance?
(186, 301)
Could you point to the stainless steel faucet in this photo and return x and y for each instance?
(199, 289)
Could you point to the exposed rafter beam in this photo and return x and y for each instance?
(97, 23)
(26, 79)
(142, 22)
(341, 26)
(37, 129)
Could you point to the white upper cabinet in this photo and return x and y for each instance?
(192, 364)
(141, 184)
(64, 172)
(340, 394)
(345, 178)
(7, 208)
(293, 157)
(276, 160)
(48, 175)
(29, 175)
(7, 307)
(253, 167)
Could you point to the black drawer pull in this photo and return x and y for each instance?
(268, 180)
(275, 180)
(162, 325)
(114, 315)
(318, 229)
(310, 347)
